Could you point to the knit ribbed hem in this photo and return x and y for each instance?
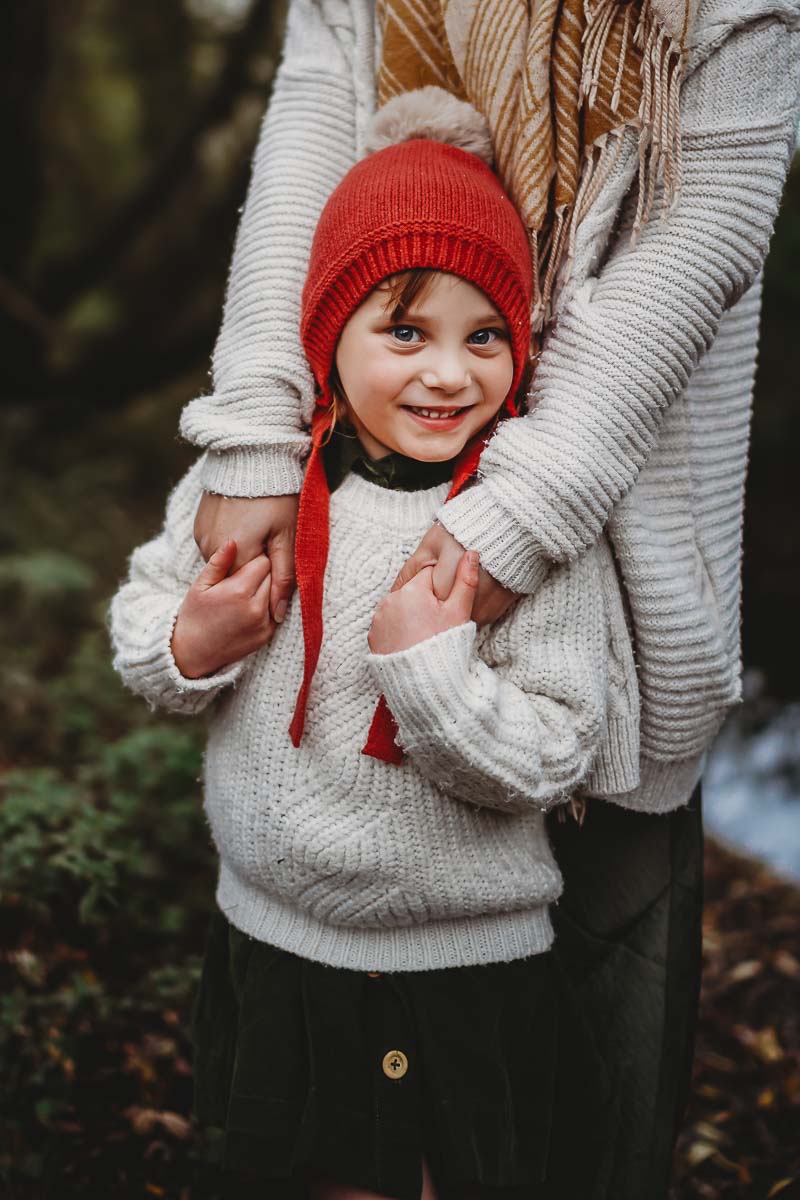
(432, 946)
(663, 786)
(616, 768)
(255, 471)
(479, 522)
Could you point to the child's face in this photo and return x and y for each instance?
(450, 355)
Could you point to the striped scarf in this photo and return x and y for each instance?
(558, 81)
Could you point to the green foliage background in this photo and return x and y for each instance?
(132, 127)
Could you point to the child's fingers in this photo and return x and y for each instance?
(465, 585)
(217, 566)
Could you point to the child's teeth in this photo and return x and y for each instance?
(430, 412)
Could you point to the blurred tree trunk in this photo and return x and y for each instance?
(23, 72)
(131, 196)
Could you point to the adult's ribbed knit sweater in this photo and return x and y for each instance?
(641, 400)
(442, 860)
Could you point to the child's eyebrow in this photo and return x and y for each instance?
(482, 319)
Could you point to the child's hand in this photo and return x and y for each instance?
(413, 613)
(441, 550)
(223, 618)
(263, 524)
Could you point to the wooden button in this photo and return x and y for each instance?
(395, 1064)
(373, 974)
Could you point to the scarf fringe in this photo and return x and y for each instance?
(659, 139)
(659, 117)
(599, 21)
(558, 250)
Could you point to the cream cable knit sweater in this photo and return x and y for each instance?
(643, 393)
(348, 860)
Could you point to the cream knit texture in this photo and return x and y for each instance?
(342, 858)
(641, 403)
(675, 504)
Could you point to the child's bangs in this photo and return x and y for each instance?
(405, 287)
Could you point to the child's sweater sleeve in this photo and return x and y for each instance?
(520, 733)
(252, 422)
(142, 614)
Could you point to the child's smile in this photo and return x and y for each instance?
(424, 386)
(442, 418)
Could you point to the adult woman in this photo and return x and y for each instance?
(639, 423)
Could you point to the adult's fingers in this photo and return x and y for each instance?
(425, 555)
(262, 593)
(254, 573)
(217, 566)
(420, 559)
(281, 553)
(252, 522)
(492, 600)
(423, 580)
(444, 572)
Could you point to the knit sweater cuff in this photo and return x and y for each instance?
(425, 685)
(664, 786)
(254, 471)
(616, 768)
(156, 676)
(480, 522)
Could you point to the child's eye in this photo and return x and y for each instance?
(404, 333)
(486, 337)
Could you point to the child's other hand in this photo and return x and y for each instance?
(441, 550)
(414, 613)
(223, 617)
(263, 525)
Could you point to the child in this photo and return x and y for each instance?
(379, 1009)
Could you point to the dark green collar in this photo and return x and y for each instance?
(344, 453)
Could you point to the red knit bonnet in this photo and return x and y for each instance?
(419, 203)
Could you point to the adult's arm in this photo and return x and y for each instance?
(628, 341)
(252, 423)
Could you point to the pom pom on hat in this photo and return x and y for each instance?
(432, 113)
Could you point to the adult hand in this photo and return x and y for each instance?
(413, 612)
(440, 550)
(223, 617)
(264, 525)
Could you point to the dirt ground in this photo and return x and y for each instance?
(742, 1134)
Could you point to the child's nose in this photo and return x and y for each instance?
(447, 374)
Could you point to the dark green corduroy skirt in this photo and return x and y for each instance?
(489, 1072)
(557, 1077)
